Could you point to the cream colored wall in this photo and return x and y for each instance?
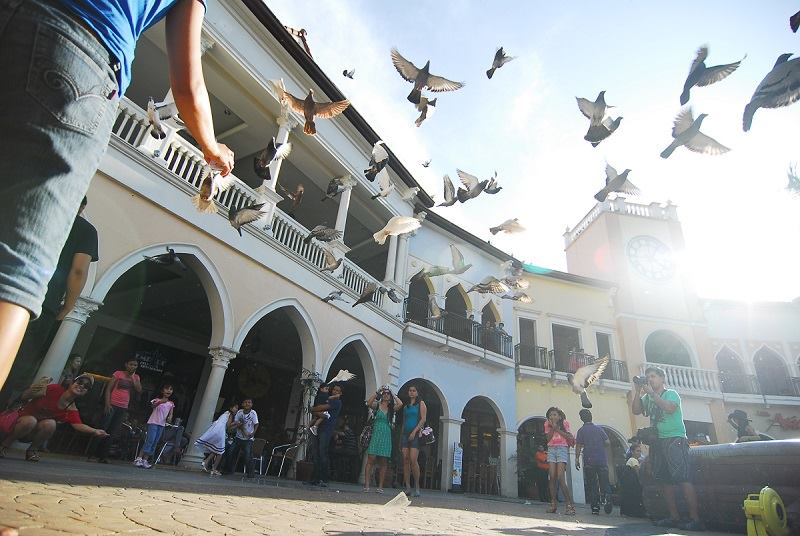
(591, 254)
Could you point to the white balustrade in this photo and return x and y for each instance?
(620, 205)
(688, 378)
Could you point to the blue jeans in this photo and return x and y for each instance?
(154, 432)
(245, 446)
(321, 456)
(111, 424)
(59, 104)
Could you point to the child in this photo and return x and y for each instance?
(213, 440)
(556, 428)
(322, 397)
(117, 398)
(162, 414)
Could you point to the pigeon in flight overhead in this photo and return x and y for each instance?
(489, 285)
(515, 282)
(586, 376)
(398, 225)
(493, 187)
(512, 268)
(508, 226)
(323, 234)
(434, 311)
(517, 295)
(311, 109)
(426, 107)
(449, 193)
(426, 163)
(459, 267)
(349, 74)
(331, 262)
(272, 153)
(212, 184)
(472, 186)
(616, 182)
(342, 376)
(794, 22)
(385, 184)
(378, 160)
(366, 295)
(242, 216)
(161, 111)
(794, 180)
(594, 111)
(606, 128)
(338, 185)
(334, 296)
(686, 132)
(421, 78)
(781, 87)
(295, 197)
(700, 75)
(500, 59)
(433, 271)
(167, 259)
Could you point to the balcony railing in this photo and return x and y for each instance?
(186, 163)
(739, 383)
(688, 378)
(541, 358)
(459, 327)
(532, 356)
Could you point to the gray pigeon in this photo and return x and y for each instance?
(295, 197)
(489, 285)
(323, 234)
(331, 262)
(594, 111)
(686, 132)
(794, 181)
(425, 108)
(598, 133)
(338, 185)
(242, 216)
(616, 182)
(794, 22)
(366, 295)
(272, 153)
(379, 159)
(449, 193)
(167, 259)
(421, 78)
(426, 163)
(349, 74)
(586, 376)
(517, 295)
(459, 267)
(500, 59)
(334, 296)
(493, 187)
(781, 87)
(700, 75)
(391, 293)
(472, 186)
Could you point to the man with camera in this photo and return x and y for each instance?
(669, 446)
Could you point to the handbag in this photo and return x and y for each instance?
(366, 432)
(428, 435)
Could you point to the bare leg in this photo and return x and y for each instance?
(669, 496)
(368, 471)
(24, 426)
(217, 459)
(42, 432)
(551, 484)
(691, 500)
(407, 468)
(562, 480)
(413, 454)
(382, 466)
(13, 322)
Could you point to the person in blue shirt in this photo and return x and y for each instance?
(592, 440)
(323, 437)
(65, 64)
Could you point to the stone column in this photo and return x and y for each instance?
(508, 463)
(267, 190)
(344, 207)
(60, 348)
(391, 260)
(220, 357)
(401, 261)
(451, 433)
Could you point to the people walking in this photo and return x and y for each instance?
(591, 441)
(415, 413)
(160, 416)
(383, 404)
(214, 440)
(556, 429)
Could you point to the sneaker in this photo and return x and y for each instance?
(214, 472)
(204, 466)
(137, 462)
(608, 505)
(692, 525)
(145, 464)
(314, 429)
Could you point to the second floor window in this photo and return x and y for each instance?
(604, 345)
(565, 339)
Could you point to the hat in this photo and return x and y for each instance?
(84, 377)
(739, 415)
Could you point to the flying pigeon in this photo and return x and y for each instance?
(458, 261)
(517, 295)
(606, 128)
(272, 153)
(434, 311)
(500, 59)
(338, 185)
(167, 259)
(700, 75)
(391, 293)
(295, 197)
(409, 194)
(349, 74)
(594, 111)
(472, 186)
(515, 282)
(331, 262)
(161, 111)
(686, 131)
(426, 163)
(586, 376)
(342, 376)
(385, 184)
(489, 285)
(794, 22)
(212, 184)
(311, 109)
(426, 107)
(493, 187)
(335, 295)
(616, 183)
(379, 159)
(512, 268)
(323, 234)
(366, 295)
(508, 226)
(794, 181)
(241, 216)
(781, 87)
(421, 78)
(449, 193)
(396, 226)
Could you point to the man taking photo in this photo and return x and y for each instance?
(669, 453)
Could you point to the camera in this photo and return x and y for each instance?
(639, 380)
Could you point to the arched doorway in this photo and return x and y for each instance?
(666, 348)
(430, 461)
(772, 373)
(481, 443)
(731, 371)
(456, 323)
(417, 301)
(615, 451)
(531, 479)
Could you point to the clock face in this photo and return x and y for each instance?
(651, 258)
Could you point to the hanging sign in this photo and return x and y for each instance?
(458, 458)
(151, 360)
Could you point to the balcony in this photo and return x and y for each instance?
(540, 359)
(460, 328)
(750, 384)
(699, 382)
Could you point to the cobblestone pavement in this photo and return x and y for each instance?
(69, 496)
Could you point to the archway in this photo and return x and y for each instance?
(481, 443)
(772, 373)
(430, 456)
(417, 301)
(731, 371)
(666, 348)
(456, 306)
(531, 479)
(615, 452)
(489, 315)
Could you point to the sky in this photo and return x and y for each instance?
(742, 228)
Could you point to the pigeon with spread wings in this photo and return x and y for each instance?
(336, 295)
(449, 193)
(366, 295)
(338, 185)
(421, 78)
(472, 186)
(242, 216)
(489, 285)
(509, 226)
(162, 111)
(500, 59)
(781, 87)
(169, 258)
(342, 376)
(323, 234)
(616, 182)
(396, 226)
(378, 160)
(586, 376)
(686, 132)
(311, 109)
(385, 184)
(331, 262)
(606, 128)
(272, 153)
(700, 75)
(295, 197)
(594, 111)
(212, 184)
(426, 107)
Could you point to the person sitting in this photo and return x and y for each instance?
(36, 420)
(744, 430)
(631, 503)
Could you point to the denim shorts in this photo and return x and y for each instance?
(558, 455)
(59, 95)
(405, 443)
(154, 432)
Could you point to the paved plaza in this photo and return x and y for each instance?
(72, 496)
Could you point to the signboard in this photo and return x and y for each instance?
(458, 458)
(151, 360)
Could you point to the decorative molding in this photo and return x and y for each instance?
(452, 421)
(659, 319)
(206, 43)
(84, 307)
(511, 433)
(221, 356)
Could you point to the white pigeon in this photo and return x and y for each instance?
(594, 111)
(781, 87)
(616, 182)
(212, 184)
(272, 153)
(336, 295)
(686, 132)
(517, 295)
(378, 160)
(410, 194)
(384, 183)
(449, 193)
(162, 111)
(508, 226)
(586, 376)
(343, 376)
(398, 225)
(331, 262)
(426, 107)
(794, 180)
(458, 261)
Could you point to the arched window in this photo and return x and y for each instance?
(772, 373)
(417, 304)
(666, 348)
(488, 316)
(732, 373)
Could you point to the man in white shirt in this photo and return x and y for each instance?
(245, 422)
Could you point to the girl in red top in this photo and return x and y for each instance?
(117, 399)
(37, 419)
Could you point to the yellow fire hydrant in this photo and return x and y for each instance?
(765, 513)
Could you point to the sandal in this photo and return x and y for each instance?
(31, 456)
(570, 510)
(553, 508)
